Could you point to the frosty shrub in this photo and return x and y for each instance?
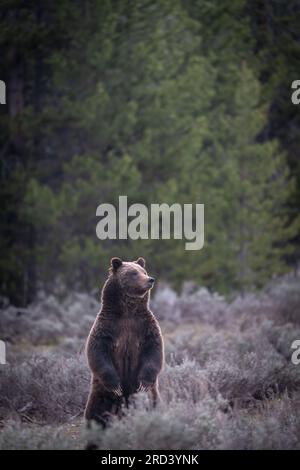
(285, 295)
(24, 325)
(253, 369)
(276, 425)
(203, 306)
(164, 305)
(191, 305)
(48, 320)
(281, 337)
(25, 437)
(172, 426)
(250, 310)
(185, 381)
(279, 301)
(45, 388)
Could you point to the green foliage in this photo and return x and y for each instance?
(254, 187)
(162, 102)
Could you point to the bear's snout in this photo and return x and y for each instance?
(151, 281)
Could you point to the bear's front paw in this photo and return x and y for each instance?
(117, 391)
(144, 387)
(111, 382)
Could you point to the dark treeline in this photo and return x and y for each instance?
(166, 101)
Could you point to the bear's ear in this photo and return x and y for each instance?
(115, 263)
(141, 262)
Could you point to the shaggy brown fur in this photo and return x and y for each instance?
(125, 347)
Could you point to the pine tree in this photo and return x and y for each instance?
(256, 186)
(140, 124)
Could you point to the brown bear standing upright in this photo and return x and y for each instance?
(125, 347)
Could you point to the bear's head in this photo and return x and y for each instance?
(132, 276)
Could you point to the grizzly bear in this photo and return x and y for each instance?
(125, 347)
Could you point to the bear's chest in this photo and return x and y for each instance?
(128, 342)
(128, 336)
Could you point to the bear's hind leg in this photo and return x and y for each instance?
(100, 406)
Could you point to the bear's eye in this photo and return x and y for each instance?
(134, 273)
